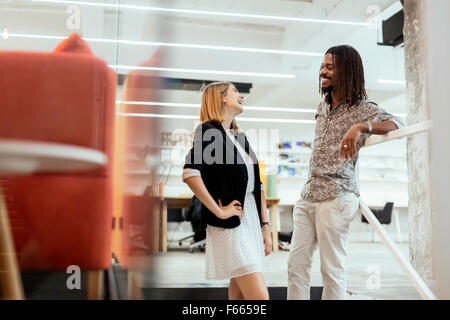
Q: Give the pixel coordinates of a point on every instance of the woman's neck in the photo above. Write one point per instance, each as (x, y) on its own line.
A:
(226, 124)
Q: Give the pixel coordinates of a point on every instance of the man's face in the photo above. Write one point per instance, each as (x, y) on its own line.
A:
(328, 72)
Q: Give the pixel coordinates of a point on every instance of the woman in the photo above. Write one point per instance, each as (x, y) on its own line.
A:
(222, 171)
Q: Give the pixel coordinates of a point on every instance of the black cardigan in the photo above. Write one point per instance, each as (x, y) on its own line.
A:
(224, 173)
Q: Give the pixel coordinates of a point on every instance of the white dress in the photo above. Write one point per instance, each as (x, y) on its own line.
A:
(235, 252)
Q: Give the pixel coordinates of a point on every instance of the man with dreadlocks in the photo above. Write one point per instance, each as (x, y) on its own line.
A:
(329, 200)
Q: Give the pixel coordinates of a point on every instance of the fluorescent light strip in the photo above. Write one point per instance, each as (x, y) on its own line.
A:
(253, 74)
(202, 46)
(276, 120)
(203, 12)
(168, 44)
(282, 109)
(36, 36)
(188, 117)
(193, 105)
(153, 115)
(232, 73)
(159, 104)
(189, 105)
(400, 82)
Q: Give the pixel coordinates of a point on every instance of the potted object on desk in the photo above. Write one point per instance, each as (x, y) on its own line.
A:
(272, 184)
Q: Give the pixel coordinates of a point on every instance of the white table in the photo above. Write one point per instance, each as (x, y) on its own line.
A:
(21, 157)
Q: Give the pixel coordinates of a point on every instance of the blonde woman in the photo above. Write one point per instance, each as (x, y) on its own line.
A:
(222, 171)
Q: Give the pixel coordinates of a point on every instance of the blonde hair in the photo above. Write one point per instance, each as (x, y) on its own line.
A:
(212, 107)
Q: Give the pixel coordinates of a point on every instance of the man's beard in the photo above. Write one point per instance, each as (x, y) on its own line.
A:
(327, 90)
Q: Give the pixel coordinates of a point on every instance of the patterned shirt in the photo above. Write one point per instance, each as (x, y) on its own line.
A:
(330, 176)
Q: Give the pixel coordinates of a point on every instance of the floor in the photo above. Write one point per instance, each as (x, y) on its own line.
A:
(372, 272)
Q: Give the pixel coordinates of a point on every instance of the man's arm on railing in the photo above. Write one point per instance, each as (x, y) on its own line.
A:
(378, 127)
(400, 133)
(348, 144)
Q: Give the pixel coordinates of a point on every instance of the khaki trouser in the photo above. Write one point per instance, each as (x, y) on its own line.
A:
(325, 224)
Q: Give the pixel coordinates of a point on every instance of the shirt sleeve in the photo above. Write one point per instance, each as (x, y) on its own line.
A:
(194, 158)
(188, 172)
(374, 113)
(207, 140)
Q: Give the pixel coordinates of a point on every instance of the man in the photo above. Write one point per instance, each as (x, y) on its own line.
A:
(329, 200)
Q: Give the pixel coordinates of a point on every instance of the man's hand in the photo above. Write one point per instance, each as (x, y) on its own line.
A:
(267, 237)
(348, 144)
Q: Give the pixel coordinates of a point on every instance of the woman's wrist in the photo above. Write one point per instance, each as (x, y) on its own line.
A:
(219, 213)
(266, 224)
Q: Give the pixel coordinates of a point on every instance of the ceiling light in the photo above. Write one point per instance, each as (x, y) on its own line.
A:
(203, 12)
(36, 36)
(252, 108)
(282, 109)
(191, 105)
(189, 117)
(5, 33)
(153, 115)
(253, 74)
(177, 45)
(399, 82)
(262, 120)
(220, 72)
(160, 104)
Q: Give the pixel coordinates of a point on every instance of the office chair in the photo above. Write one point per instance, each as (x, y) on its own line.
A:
(383, 216)
(180, 241)
(193, 214)
(177, 215)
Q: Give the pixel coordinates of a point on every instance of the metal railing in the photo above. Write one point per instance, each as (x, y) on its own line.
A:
(411, 273)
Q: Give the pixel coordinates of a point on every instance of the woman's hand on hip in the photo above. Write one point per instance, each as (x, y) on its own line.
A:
(233, 209)
(267, 237)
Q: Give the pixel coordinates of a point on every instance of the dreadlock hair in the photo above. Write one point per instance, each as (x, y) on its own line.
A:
(350, 76)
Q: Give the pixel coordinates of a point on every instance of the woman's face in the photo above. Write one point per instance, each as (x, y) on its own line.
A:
(233, 101)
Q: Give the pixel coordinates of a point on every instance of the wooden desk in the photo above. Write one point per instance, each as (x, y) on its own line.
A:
(169, 203)
(272, 205)
(184, 201)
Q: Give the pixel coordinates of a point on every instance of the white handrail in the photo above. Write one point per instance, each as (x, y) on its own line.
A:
(399, 133)
(417, 281)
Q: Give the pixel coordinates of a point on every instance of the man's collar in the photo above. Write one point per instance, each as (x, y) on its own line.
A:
(339, 105)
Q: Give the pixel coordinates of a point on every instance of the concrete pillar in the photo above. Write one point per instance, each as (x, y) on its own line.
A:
(436, 17)
(418, 146)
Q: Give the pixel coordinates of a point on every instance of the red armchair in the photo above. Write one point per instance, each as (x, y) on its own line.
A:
(67, 96)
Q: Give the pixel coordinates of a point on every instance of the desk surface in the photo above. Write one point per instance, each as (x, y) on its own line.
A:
(183, 201)
(26, 157)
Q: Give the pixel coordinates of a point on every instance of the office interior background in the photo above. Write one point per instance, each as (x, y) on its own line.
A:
(164, 53)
